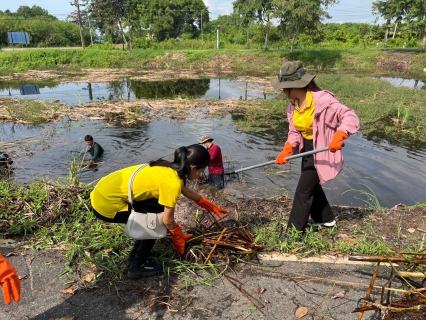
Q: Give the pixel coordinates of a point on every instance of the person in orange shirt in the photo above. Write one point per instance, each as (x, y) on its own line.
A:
(9, 281)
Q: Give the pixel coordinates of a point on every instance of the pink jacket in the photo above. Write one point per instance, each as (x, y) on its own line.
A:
(330, 116)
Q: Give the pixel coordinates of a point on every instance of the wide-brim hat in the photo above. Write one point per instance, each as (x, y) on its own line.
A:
(292, 75)
(204, 139)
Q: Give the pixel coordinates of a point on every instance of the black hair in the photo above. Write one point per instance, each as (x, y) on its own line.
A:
(88, 138)
(184, 157)
(312, 86)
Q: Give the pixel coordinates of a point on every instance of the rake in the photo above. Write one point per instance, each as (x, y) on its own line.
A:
(308, 153)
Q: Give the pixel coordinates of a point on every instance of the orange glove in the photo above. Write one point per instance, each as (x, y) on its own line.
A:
(288, 149)
(9, 281)
(337, 142)
(179, 239)
(210, 206)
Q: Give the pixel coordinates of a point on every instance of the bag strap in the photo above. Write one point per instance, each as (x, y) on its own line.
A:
(130, 193)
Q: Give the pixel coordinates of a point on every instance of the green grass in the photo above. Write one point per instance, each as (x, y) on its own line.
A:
(49, 214)
(240, 62)
(385, 111)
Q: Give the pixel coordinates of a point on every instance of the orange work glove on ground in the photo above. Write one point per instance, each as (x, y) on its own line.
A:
(337, 142)
(179, 239)
(210, 206)
(9, 281)
(288, 149)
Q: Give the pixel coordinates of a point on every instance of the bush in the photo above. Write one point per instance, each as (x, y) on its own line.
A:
(103, 46)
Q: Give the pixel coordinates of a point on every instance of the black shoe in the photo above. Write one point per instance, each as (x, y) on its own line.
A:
(152, 256)
(328, 224)
(148, 269)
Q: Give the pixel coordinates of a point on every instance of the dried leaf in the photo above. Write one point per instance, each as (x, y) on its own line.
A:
(23, 277)
(10, 254)
(295, 250)
(87, 253)
(342, 235)
(351, 241)
(5, 241)
(69, 290)
(411, 230)
(340, 294)
(301, 312)
(30, 260)
(89, 276)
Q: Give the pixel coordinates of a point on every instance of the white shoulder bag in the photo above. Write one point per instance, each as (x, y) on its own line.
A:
(143, 225)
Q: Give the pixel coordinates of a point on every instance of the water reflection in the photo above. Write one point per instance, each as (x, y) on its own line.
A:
(127, 89)
(395, 174)
(401, 82)
(79, 93)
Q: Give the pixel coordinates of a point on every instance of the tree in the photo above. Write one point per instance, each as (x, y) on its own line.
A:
(166, 19)
(260, 10)
(246, 10)
(33, 12)
(389, 10)
(299, 15)
(416, 14)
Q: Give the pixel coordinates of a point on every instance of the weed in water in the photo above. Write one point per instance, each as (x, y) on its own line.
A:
(371, 199)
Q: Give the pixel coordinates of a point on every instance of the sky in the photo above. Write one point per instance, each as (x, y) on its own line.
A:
(345, 11)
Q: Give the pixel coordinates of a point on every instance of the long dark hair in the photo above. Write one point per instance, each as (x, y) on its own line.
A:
(194, 155)
(312, 86)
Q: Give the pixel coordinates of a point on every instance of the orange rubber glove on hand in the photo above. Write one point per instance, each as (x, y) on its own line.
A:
(9, 281)
(288, 149)
(337, 142)
(178, 239)
(210, 206)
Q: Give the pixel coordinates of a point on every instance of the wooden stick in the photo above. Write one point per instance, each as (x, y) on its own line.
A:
(215, 246)
(370, 288)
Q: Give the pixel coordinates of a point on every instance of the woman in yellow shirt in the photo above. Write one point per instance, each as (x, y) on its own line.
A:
(156, 188)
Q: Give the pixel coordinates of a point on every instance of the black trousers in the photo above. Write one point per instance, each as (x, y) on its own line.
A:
(309, 198)
(142, 248)
(218, 180)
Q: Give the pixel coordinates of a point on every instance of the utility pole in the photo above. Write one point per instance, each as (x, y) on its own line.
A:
(79, 22)
(218, 36)
(201, 25)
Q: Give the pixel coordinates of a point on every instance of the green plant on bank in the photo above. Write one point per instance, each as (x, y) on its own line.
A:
(39, 215)
(80, 99)
(371, 199)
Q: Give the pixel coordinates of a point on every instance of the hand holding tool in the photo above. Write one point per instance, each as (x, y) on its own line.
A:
(337, 141)
(287, 150)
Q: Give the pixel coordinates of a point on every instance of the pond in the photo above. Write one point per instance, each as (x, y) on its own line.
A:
(374, 171)
(72, 93)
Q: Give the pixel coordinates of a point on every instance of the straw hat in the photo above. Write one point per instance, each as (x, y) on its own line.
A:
(204, 139)
(292, 75)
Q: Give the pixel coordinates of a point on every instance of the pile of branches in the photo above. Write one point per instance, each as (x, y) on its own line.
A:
(410, 272)
(216, 240)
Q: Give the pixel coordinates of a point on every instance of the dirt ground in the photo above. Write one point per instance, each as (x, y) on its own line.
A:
(399, 226)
